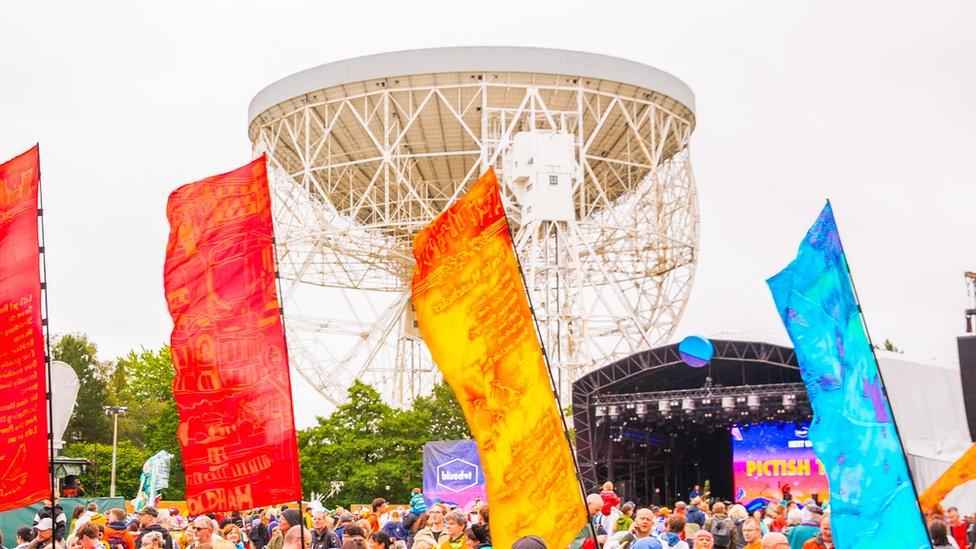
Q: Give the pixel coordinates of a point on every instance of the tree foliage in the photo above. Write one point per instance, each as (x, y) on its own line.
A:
(373, 450)
(97, 478)
(88, 421)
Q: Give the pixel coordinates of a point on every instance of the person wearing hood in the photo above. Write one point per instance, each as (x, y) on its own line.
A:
(674, 526)
(117, 534)
(57, 516)
(694, 512)
(148, 521)
(626, 518)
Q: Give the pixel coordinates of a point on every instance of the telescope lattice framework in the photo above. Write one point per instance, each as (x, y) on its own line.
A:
(593, 156)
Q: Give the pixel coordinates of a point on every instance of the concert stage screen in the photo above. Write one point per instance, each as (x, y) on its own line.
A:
(766, 457)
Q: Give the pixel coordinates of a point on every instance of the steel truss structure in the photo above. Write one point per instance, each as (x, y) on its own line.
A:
(364, 153)
(773, 374)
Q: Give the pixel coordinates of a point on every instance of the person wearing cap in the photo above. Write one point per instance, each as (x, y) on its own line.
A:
(59, 520)
(148, 522)
(289, 518)
(45, 536)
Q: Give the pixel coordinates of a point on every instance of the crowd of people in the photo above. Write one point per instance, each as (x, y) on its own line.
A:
(709, 523)
(701, 523)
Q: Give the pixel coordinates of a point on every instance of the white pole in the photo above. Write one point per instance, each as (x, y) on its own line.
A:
(115, 441)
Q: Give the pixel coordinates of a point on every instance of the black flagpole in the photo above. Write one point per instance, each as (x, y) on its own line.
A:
(46, 327)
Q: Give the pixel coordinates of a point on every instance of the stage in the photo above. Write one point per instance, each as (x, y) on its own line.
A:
(652, 421)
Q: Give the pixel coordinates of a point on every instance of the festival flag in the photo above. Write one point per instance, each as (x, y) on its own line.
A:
(153, 480)
(959, 473)
(473, 313)
(232, 388)
(872, 497)
(24, 462)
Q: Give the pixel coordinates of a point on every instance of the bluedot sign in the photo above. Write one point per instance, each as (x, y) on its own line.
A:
(453, 473)
(696, 351)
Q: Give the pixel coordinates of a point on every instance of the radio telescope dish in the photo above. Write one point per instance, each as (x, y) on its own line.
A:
(592, 152)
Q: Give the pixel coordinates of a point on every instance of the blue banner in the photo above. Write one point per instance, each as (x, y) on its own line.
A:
(453, 473)
(872, 498)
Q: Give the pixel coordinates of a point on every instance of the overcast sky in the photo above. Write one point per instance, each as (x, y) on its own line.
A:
(872, 105)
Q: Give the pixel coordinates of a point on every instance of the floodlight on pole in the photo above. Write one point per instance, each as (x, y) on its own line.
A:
(115, 412)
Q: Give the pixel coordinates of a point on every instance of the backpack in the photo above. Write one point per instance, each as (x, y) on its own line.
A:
(116, 541)
(721, 530)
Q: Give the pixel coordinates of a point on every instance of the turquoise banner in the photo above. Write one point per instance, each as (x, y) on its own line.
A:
(11, 520)
(872, 498)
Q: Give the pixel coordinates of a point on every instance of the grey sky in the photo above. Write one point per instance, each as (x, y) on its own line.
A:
(871, 104)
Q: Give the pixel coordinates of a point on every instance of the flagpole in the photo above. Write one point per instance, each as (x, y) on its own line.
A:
(284, 334)
(46, 327)
(552, 382)
(867, 334)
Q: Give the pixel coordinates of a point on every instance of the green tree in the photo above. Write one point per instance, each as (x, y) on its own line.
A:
(88, 421)
(373, 449)
(97, 478)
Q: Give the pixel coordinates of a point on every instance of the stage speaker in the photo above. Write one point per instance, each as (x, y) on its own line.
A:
(967, 371)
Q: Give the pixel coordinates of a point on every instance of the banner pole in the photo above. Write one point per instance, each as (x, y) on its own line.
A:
(552, 381)
(867, 334)
(284, 332)
(301, 522)
(46, 327)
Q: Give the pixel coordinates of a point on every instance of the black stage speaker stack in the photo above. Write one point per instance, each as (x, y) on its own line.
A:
(967, 371)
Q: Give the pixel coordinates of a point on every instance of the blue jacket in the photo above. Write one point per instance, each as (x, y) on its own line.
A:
(395, 530)
(694, 514)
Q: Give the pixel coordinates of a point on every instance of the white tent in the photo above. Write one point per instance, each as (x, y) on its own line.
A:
(926, 398)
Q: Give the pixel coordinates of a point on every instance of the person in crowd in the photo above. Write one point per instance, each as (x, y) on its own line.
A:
(454, 525)
(694, 512)
(57, 516)
(355, 543)
(775, 540)
(297, 538)
(418, 505)
(73, 541)
(433, 529)
(353, 531)
(379, 540)
(366, 525)
(809, 528)
(939, 535)
(232, 533)
(44, 539)
(345, 520)
(153, 540)
(75, 515)
(477, 538)
(738, 515)
(204, 529)
(656, 497)
(23, 537)
(149, 521)
(609, 497)
(751, 534)
(626, 518)
(380, 508)
(694, 492)
(824, 540)
(957, 527)
(117, 534)
(289, 518)
(322, 535)
(530, 542)
(395, 529)
(647, 543)
(422, 544)
(673, 529)
(702, 539)
(723, 531)
(260, 534)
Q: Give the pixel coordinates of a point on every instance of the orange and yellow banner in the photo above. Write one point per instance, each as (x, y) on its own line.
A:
(960, 472)
(474, 315)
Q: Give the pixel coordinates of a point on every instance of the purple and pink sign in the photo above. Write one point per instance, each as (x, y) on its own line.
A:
(453, 473)
(768, 457)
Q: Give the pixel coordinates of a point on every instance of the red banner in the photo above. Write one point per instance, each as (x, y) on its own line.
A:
(24, 463)
(232, 388)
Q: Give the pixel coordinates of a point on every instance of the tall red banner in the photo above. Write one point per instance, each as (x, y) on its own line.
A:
(232, 388)
(24, 463)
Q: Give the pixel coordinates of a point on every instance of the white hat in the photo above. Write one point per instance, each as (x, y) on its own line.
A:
(44, 524)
